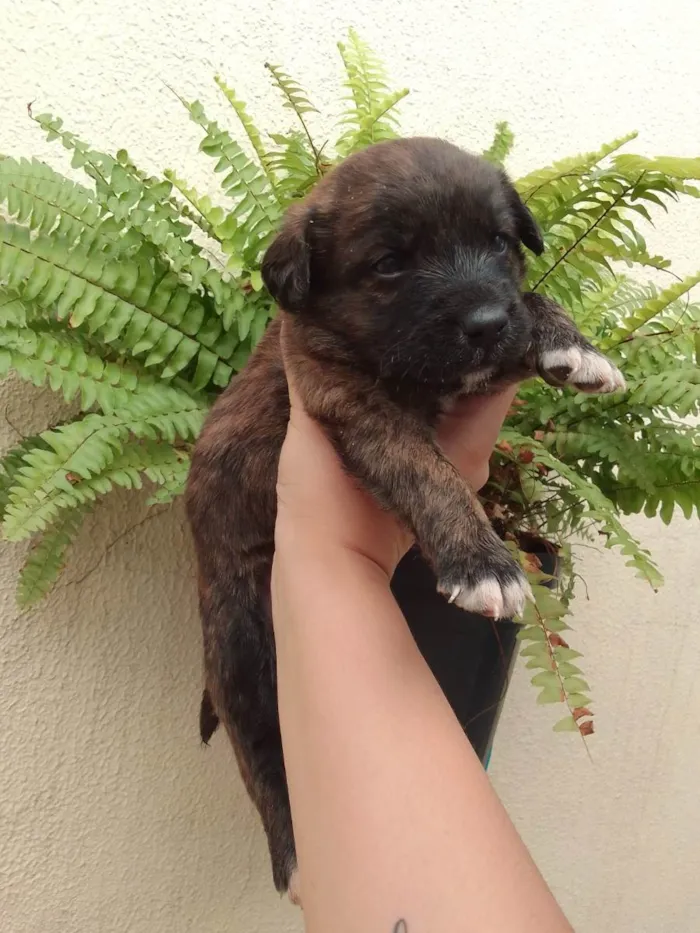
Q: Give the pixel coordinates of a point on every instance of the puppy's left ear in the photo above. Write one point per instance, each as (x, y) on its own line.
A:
(286, 266)
(528, 231)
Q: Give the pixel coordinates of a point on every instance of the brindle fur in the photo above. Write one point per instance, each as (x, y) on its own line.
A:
(375, 357)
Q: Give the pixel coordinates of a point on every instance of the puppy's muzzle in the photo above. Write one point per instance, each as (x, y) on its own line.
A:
(485, 325)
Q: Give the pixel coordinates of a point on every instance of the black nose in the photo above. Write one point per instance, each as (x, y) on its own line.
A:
(484, 325)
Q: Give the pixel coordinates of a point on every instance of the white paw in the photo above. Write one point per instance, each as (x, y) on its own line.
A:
(492, 598)
(294, 889)
(586, 370)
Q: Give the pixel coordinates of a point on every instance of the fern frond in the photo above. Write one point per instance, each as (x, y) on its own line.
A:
(667, 166)
(145, 214)
(60, 359)
(46, 202)
(500, 148)
(251, 130)
(649, 311)
(86, 458)
(370, 118)
(97, 165)
(157, 462)
(598, 508)
(677, 389)
(206, 215)
(365, 74)
(255, 214)
(296, 99)
(374, 127)
(10, 465)
(573, 167)
(591, 228)
(46, 558)
(662, 502)
(121, 301)
(295, 166)
(558, 679)
(670, 458)
(171, 478)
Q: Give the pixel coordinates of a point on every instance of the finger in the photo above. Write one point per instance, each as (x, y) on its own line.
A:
(478, 410)
(468, 434)
(298, 411)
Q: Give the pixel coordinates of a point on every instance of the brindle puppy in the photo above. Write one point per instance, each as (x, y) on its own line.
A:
(400, 277)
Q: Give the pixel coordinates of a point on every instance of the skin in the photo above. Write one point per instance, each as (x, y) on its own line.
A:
(397, 827)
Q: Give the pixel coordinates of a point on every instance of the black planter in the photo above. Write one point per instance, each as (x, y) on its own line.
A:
(470, 656)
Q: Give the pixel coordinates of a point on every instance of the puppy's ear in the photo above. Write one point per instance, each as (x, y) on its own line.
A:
(528, 231)
(286, 266)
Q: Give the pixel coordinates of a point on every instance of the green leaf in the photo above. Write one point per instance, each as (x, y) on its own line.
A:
(535, 650)
(565, 654)
(545, 679)
(578, 699)
(567, 724)
(566, 669)
(543, 662)
(548, 605)
(575, 684)
(549, 694)
(531, 633)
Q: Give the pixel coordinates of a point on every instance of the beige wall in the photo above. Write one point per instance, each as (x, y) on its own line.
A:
(111, 816)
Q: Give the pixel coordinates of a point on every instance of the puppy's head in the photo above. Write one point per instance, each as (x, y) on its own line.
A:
(409, 253)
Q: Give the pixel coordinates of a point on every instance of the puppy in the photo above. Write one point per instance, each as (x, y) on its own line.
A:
(399, 277)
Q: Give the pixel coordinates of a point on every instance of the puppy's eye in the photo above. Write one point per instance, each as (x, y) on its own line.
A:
(389, 265)
(500, 243)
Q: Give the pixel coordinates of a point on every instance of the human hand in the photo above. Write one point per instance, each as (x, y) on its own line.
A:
(320, 507)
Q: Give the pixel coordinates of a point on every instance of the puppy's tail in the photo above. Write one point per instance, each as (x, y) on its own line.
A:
(208, 720)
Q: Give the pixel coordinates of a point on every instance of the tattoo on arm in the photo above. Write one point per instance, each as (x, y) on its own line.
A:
(400, 927)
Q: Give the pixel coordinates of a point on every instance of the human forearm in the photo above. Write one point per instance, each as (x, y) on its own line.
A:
(394, 817)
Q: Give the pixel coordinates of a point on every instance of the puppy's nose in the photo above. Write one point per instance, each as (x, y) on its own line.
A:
(484, 325)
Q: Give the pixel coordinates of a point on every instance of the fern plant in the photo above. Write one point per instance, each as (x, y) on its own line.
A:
(138, 298)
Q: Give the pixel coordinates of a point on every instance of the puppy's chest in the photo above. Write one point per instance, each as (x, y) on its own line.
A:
(429, 403)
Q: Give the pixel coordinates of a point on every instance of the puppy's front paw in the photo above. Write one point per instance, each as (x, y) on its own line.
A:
(492, 586)
(581, 367)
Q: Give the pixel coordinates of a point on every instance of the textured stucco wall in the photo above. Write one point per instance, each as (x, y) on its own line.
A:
(111, 816)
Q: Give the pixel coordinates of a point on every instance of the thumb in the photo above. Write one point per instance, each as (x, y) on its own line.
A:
(294, 397)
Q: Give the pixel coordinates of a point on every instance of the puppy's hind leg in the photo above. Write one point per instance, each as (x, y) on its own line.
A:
(243, 685)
